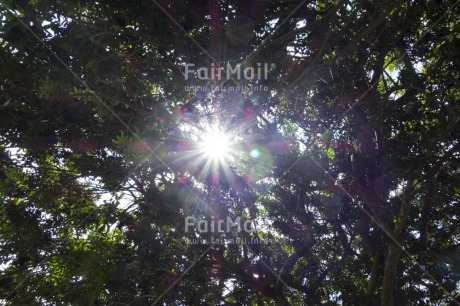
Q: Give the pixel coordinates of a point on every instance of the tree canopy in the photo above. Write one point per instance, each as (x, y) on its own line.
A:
(230, 152)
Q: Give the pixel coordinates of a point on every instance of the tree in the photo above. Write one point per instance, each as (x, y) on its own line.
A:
(342, 153)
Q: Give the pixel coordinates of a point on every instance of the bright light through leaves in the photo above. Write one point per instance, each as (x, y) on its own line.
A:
(215, 144)
(213, 148)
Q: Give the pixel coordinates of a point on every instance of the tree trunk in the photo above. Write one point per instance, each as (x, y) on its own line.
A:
(394, 248)
(373, 281)
(389, 274)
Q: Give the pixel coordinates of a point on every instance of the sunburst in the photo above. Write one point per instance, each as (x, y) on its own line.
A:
(211, 152)
(215, 144)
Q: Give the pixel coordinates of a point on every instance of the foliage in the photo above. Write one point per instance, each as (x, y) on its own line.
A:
(348, 163)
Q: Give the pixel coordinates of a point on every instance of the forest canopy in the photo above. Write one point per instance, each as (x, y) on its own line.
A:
(229, 152)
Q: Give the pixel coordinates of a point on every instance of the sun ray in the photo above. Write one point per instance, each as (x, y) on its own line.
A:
(213, 149)
(215, 144)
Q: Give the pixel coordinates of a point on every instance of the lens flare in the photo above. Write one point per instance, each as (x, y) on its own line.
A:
(215, 144)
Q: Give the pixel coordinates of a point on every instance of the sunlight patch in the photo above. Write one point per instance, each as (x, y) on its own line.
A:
(215, 144)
